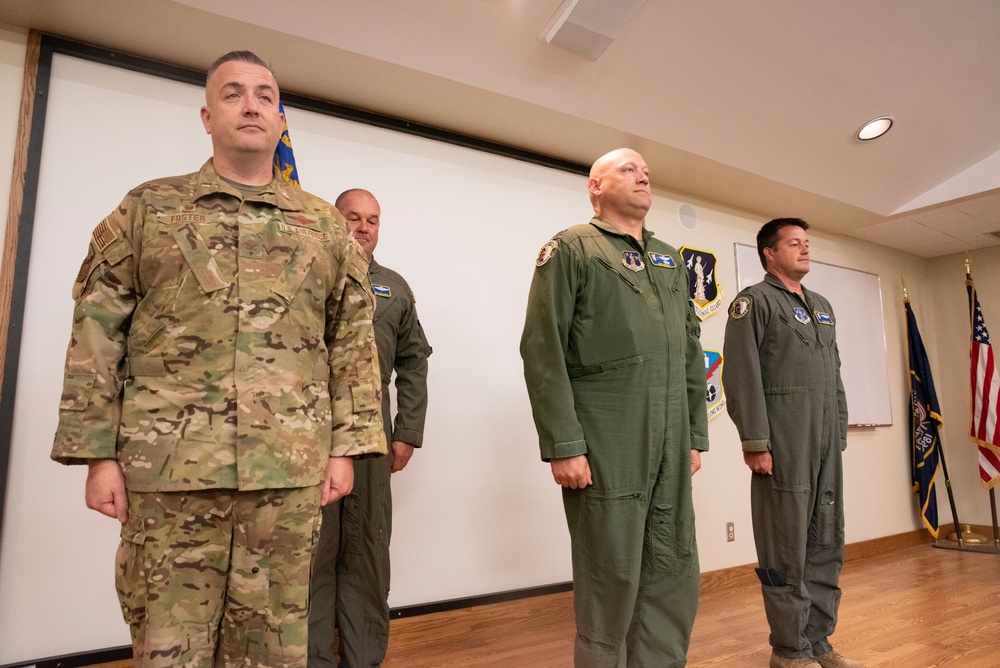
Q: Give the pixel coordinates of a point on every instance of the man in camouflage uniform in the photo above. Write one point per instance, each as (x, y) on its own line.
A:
(782, 375)
(350, 584)
(220, 379)
(616, 378)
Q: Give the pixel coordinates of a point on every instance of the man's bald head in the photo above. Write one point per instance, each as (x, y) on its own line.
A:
(619, 185)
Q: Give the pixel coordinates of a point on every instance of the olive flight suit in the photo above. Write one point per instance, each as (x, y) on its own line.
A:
(350, 584)
(782, 380)
(615, 371)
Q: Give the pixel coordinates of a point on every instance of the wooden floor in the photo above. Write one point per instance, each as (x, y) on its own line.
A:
(917, 607)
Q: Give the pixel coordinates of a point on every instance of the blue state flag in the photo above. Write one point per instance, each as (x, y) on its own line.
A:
(925, 421)
(284, 159)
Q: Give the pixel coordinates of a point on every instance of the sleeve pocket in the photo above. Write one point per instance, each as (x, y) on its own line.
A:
(76, 391)
(364, 398)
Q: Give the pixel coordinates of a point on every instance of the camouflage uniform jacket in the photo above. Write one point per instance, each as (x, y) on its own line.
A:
(219, 342)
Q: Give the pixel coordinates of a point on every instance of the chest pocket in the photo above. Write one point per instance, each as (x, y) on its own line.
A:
(199, 258)
(384, 304)
(799, 329)
(296, 269)
(620, 274)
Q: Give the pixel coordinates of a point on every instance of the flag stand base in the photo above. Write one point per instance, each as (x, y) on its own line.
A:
(969, 537)
(964, 547)
(970, 542)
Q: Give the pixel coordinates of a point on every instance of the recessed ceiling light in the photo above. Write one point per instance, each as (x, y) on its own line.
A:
(875, 128)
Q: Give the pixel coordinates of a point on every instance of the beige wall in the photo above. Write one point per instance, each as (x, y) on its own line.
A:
(947, 340)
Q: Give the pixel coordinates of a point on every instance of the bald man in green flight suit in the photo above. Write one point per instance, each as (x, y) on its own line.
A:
(350, 582)
(616, 378)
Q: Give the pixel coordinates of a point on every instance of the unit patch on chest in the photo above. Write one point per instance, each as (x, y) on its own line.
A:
(823, 318)
(661, 260)
(802, 315)
(381, 290)
(633, 260)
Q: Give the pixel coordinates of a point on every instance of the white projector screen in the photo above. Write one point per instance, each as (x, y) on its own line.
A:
(476, 512)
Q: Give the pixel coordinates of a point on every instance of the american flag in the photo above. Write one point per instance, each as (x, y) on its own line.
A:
(985, 394)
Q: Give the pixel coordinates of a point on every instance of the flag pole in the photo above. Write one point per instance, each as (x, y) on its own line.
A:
(951, 501)
(993, 509)
(993, 496)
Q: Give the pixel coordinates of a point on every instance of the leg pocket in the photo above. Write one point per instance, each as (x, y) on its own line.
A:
(352, 525)
(130, 573)
(669, 540)
(825, 530)
(613, 525)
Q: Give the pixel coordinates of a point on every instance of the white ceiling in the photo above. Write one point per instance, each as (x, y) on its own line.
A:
(754, 105)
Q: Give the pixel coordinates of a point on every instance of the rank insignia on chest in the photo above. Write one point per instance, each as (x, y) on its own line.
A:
(381, 290)
(661, 260)
(802, 315)
(823, 318)
(633, 260)
(546, 252)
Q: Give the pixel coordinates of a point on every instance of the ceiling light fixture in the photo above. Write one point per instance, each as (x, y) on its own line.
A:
(588, 27)
(875, 128)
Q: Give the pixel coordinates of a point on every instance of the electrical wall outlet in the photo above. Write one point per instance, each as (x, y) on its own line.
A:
(730, 532)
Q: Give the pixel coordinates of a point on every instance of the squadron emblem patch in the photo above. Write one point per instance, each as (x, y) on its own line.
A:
(823, 318)
(660, 260)
(546, 252)
(714, 397)
(802, 315)
(381, 290)
(739, 308)
(633, 260)
(705, 291)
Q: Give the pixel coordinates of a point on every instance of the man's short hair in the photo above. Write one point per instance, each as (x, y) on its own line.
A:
(767, 237)
(347, 193)
(237, 56)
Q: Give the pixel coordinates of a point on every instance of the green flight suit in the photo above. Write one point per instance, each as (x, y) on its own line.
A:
(615, 371)
(350, 583)
(784, 392)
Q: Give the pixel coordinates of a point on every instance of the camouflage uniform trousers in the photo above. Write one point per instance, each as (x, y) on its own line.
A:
(218, 577)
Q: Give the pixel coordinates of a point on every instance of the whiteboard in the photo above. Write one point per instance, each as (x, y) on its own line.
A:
(475, 511)
(856, 298)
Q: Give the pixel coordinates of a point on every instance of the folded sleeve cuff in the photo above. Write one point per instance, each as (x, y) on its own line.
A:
(761, 445)
(560, 450)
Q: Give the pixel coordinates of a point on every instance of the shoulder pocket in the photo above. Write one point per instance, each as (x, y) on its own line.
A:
(108, 247)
